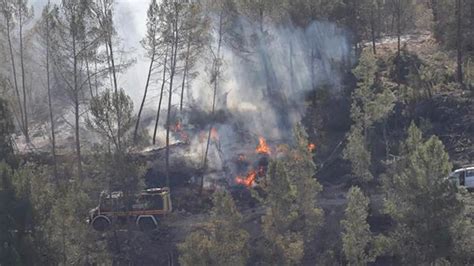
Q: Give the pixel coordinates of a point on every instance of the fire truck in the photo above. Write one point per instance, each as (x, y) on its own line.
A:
(145, 209)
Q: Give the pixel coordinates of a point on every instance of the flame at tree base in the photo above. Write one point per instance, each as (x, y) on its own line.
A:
(248, 180)
(263, 147)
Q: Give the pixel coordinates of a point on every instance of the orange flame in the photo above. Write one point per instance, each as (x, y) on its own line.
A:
(178, 128)
(262, 147)
(311, 147)
(248, 180)
(214, 134)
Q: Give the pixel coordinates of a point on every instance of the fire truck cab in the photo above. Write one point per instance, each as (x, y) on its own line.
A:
(144, 209)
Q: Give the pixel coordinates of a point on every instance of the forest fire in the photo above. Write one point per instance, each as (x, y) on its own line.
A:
(214, 134)
(258, 169)
(263, 147)
(311, 147)
(248, 180)
(178, 129)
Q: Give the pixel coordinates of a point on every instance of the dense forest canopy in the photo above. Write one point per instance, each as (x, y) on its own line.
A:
(236, 132)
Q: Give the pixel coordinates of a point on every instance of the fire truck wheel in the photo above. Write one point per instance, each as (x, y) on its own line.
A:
(101, 223)
(147, 223)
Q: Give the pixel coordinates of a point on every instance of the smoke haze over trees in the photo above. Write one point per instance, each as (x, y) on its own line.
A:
(289, 132)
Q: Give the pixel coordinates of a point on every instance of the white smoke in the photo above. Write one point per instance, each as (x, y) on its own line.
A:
(268, 84)
(265, 87)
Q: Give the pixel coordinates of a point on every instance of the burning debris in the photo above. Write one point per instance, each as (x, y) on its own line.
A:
(178, 130)
(214, 135)
(248, 180)
(263, 147)
(258, 169)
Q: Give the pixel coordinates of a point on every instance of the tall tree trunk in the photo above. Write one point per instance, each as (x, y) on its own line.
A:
(15, 78)
(185, 72)
(50, 105)
(89, 81)
(96, 80)
(163, 82)
(459, 42)
(435, 12)
(355, 27)
(117, 104)
(372, 30)
(150, 70)
(313, 81)
(399, 31)
(23, 78)
(216, 81)
(292, 68)
(172, 73)
(76, 105)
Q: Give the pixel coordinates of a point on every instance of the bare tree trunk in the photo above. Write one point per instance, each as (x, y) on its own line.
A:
(117, 104)
(185, 72)
(89, 82)
(372, 30)
(292, 68)
(216, 81)
(399, 48)
(459, 44)
(76, 106)
(172, 73)
(399, 32)
(50, 106)
(96, 82)
(23, 78)
(150, 70)
(15, 79)
(163, 82)
(313, 85)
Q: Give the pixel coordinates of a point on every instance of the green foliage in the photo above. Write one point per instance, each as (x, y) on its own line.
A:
(9, 248)
(292, 216)
(422, 203)
(370, 104)
(359, 245)
(301, 172)
(356, 236)
(303, 12)
(403, 67)
(356, 151)
(75, 242)
(6, 129)
(446, 23)
(220, 241)
(106, 109)
(28, 198)
(283, 245)
(463, 231)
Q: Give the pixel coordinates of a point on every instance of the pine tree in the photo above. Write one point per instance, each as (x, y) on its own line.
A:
(421, 202)
(106, 118)
(371, 103)
(301, 172)
(290, 193)
(9, 250)
(283, 244)
(356, 236)
(151, 44)
(220, 241)
(6, 129)
(463, 231)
